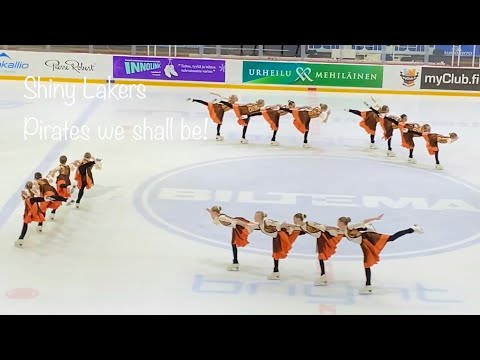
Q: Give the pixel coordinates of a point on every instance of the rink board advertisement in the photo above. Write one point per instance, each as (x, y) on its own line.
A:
(159, 68)
(439, 78)
(402, 77)
(15, 63)
(310, 74)
(53, 64)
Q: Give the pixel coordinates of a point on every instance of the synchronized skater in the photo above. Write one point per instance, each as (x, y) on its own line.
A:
(327, 238)
(302, 116)
(39, 195)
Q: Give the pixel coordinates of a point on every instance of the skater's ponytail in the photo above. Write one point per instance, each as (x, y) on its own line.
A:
(324, 107)
(453, 135)
(216, 209)
(345, 220)
(300, 216)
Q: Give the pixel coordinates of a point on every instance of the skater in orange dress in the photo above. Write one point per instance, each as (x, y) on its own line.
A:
(369, 121)
(34, 210)
(241, 228)
(371, 242)
(327, 240)
(432, 141)
(244, 112)
(282, 240)
(272, 115)
(217, 109)
(303, 115)
(43, 188)
(64, 185)
(408, 131)
(83, 174)
(389, 123)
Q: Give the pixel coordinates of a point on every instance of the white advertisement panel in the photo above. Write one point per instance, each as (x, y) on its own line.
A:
(402, 77)
(55, 65)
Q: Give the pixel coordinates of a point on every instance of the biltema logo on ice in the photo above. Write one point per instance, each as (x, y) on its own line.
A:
(133, 67)
(323, 196)
(11, 65)
(409, 75)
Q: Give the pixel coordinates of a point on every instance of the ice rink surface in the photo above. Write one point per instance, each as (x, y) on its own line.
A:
(142, 242)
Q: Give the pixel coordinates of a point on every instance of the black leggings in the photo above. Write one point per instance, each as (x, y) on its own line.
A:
(368, 271)
(411, 154)
(389, 143)
(200, 102)
(82, 169)
(274, 135)
(400, 234)
(235, 254)
(372, 139)
(322, 267)
(80, 192)
(275, 265)
(436, 158)
(218, 129)
(305, 137)
(356, 112)
(24, 231)
(244, 133)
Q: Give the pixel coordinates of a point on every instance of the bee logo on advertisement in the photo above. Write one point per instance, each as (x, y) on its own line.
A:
(409, 75)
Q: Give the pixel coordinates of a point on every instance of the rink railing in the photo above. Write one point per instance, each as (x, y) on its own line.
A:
(449, 55)
(240, 74)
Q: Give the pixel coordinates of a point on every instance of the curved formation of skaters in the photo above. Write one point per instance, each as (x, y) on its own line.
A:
(302, 115)
(327, 238)
(51, 191)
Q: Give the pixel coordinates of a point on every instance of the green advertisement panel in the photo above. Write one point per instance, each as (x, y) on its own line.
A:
(310, 74)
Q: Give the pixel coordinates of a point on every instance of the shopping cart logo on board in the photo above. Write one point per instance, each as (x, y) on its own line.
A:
(409, 75)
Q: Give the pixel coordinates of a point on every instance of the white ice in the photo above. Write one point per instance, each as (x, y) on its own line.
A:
(108, 258)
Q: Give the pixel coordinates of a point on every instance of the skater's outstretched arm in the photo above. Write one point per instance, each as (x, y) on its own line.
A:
(327, 227)
(226, 103)
(452, 137)
(290, 226)
(364, 222)
(369, 220)
(392, 120)
(413, 132)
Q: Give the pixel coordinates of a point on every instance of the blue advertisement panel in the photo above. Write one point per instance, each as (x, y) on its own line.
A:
(465, 50)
